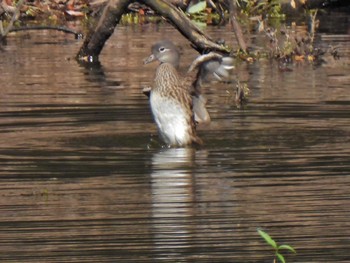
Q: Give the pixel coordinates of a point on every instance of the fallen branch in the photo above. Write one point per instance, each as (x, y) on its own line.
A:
(201, 42)
(112, 13)
(97, 37)
(57, 28)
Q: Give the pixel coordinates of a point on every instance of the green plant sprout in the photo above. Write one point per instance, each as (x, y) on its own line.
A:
(276, 247)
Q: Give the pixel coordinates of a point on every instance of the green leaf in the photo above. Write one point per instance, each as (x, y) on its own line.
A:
(280, 257)
(267, 238)
(290, 248)
(197, 8)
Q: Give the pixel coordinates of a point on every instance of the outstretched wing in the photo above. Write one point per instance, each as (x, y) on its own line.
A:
(211, 64)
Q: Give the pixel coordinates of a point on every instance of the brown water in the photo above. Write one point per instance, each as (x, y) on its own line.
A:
(83, 179)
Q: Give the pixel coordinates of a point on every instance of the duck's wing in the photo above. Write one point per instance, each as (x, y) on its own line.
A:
(203, 66)
(192, 107)
(211, 64)
(201, 115)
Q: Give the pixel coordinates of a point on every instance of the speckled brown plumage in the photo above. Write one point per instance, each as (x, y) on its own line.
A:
(175, 101)
(168, 84)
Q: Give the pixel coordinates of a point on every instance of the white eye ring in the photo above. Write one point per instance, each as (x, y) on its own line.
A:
(162, 49)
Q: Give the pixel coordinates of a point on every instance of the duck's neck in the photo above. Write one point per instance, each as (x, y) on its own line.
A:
(166, 77)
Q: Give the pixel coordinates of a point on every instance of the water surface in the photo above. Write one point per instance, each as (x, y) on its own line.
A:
(83, 177)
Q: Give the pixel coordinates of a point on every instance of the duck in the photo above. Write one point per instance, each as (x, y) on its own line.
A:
(176, 101)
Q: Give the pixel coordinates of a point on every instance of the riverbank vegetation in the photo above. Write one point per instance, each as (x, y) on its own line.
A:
(263, 17)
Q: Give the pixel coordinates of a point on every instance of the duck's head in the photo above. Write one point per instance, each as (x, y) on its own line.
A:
(165, 52)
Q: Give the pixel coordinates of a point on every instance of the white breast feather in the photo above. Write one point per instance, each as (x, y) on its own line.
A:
(170, 119)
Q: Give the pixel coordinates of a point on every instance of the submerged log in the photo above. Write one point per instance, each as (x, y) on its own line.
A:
(112, 13)
(97, 36)
(180, 21)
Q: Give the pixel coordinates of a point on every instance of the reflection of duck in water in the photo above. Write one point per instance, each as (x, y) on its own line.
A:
(174, 110)
(172, 193)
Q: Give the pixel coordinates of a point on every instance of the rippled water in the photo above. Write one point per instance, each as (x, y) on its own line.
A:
(83, 178)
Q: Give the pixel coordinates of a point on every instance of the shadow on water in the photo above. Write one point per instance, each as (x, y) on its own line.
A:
(82, 181)
(94, 72)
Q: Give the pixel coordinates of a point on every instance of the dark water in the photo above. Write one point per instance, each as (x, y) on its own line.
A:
(83, 179)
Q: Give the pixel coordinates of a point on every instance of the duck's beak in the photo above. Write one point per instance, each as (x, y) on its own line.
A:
(150, 59)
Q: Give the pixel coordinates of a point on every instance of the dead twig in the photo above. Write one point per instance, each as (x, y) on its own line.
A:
(12, 21)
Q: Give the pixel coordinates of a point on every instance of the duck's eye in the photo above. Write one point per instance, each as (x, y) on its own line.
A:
(161, 49)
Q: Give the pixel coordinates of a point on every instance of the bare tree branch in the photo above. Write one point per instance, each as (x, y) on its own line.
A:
(97, 37)
(236, 27)
(112, 13)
